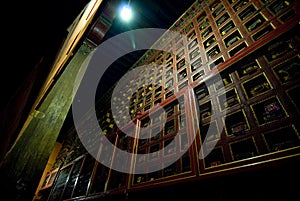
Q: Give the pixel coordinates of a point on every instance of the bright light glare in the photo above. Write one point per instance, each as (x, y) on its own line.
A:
(126, 13)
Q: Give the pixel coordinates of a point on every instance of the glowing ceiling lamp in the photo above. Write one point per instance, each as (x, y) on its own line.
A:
(126, 12)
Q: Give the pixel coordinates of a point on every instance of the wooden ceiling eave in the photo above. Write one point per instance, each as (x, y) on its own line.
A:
(102, 24)
(97, 32)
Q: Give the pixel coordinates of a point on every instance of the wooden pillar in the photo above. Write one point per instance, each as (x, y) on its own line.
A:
(24, 164)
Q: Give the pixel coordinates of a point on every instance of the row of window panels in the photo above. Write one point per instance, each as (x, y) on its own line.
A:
(257, 85)
(213, 52)
(285, 72)
(174, 144)
(145, 99)
(167, 111)
(235, 37)
(243, 9)
(278, 139)
(251, 88)
(73, 145)
(238, 129)
(203, 22)
(258, 20)
(231, 39)
(154, 129)
(65, 189)
(236, 123)
(275, 6)
(254, 87)
(149, 94)
(174, 112)
(72, 180)
(157, 131)
(196, 57)
(146, 103)
(275, 140)
(225, 101)
(249, 9)
(117, 179)
(276, 51)
(183, 165)
(265, 111)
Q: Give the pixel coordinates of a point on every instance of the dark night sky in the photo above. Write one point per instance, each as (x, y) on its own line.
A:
(30, 30)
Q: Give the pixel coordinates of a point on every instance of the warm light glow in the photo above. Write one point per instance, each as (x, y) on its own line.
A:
(126, 13)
